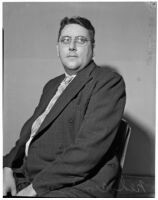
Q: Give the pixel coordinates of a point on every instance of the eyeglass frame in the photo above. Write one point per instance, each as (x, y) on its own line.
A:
(75, 40)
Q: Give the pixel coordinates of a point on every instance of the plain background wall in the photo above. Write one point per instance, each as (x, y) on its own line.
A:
(125, 41)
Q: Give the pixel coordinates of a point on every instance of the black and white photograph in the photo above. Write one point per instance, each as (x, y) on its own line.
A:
(79, 99)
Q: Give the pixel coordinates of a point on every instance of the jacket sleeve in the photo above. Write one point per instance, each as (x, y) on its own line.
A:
(14, 158)
(96, 134)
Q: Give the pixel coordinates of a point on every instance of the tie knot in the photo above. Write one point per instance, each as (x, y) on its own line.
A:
(65, 83)
(68, 79)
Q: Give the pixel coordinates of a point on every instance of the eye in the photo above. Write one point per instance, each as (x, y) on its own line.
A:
(82, 40)
(65, 40)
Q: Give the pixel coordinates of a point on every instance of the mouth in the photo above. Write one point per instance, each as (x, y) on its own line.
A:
(72, 56)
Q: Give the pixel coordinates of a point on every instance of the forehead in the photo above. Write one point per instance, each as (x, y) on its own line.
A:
(74, 30)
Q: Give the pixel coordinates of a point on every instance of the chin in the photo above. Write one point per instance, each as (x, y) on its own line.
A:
(72, 66)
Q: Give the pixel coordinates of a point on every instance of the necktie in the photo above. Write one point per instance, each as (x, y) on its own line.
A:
(37, 123)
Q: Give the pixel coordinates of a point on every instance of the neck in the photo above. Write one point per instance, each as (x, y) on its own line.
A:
(70, 72)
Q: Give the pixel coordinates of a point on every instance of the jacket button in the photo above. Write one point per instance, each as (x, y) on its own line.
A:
(112, 165)
(50, 188)
(70, 121)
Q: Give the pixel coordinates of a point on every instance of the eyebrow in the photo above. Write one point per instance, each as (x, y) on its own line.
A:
(75, 36)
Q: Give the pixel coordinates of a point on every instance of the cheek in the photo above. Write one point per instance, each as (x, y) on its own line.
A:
(86, 54)
(63, 52)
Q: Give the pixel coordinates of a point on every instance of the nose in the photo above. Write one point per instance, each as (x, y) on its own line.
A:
(72, 45)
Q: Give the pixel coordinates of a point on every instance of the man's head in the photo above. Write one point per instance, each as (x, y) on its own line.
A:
(75, 43)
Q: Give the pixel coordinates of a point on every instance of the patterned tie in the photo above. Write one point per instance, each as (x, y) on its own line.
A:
(37, 123)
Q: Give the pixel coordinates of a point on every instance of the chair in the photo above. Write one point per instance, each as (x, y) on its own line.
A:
(124, 133)
(121, 142)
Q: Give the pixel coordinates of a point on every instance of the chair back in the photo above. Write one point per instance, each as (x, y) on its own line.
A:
(120, 144)
(124, 132)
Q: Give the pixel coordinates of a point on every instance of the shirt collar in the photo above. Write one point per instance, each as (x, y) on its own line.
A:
(68, 75)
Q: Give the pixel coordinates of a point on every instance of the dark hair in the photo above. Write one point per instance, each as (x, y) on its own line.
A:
(82, 22)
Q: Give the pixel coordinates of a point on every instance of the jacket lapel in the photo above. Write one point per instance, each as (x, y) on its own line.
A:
(73, 88)
(52, 91)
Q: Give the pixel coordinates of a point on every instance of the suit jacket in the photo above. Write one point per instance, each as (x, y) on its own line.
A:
(72, 148)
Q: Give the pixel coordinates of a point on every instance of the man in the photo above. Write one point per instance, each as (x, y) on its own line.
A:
(64, 149)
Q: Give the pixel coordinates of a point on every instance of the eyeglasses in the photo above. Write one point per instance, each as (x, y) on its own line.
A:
(79, 40)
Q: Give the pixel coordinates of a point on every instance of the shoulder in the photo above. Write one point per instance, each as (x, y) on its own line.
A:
(106, 74)
(108, 82)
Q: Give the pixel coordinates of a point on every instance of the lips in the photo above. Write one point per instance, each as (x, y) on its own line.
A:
(72, 56)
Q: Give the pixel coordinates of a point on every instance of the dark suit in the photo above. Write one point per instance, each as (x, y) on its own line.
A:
(71, 156)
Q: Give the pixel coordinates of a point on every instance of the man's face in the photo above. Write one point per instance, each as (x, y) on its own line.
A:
(74, 48)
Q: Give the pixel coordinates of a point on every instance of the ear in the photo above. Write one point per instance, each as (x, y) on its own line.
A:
(93, 50)
(57, 46)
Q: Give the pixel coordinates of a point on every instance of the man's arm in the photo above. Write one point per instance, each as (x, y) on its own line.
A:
(95, 136)
(15, 157)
